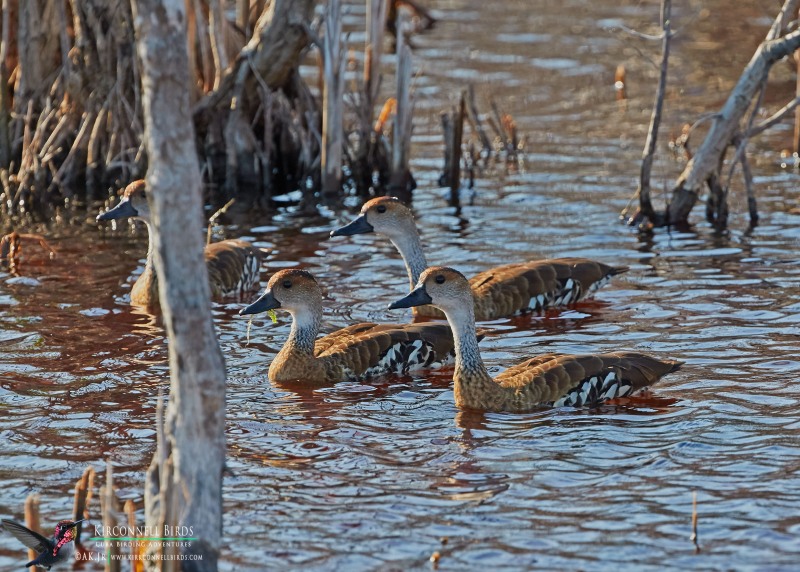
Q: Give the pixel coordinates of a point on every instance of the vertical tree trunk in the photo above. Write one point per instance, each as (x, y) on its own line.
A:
(400, 176)
(196, 412)
(38, 49)
(5, 116)
(333, 101)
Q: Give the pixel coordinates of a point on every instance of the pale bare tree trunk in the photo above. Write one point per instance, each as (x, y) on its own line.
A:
(400, 176)
(333, 101)
(195, 423)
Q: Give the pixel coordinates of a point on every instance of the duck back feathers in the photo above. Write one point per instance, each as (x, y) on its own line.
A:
(233, 267)
(581, 380)
(367, 350)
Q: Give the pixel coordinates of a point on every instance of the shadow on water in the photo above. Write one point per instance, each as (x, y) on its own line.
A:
(376, 475)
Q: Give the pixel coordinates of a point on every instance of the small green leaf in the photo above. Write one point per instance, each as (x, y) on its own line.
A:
(272, 316)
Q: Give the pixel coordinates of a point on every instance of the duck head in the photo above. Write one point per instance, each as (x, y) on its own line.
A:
(383, 215)
(293, 290)
(445, 288)
(133, 204)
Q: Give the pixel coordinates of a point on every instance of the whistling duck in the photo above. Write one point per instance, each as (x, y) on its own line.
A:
(353, 353)
(233, 265)
(499, 292)
(548, 380)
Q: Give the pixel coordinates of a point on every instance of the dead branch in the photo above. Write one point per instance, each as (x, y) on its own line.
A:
(773, 119)
(274, 51)
(704, 166)
(646, 212)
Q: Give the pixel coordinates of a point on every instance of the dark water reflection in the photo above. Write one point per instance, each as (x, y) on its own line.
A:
(376, 476)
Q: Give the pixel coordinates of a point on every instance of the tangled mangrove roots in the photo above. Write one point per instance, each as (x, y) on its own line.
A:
(71, 125)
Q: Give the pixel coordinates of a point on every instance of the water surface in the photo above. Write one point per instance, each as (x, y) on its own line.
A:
(379, 476)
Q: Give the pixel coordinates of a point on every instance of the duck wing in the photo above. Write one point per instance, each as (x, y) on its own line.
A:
(577, 380)
(233, 267)
(364, 350)
(535, 285)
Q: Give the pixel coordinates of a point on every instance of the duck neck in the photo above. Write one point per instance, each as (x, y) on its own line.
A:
(410, 247)
(145, 289)
(469, 365)
(305, 328)
(150, 263)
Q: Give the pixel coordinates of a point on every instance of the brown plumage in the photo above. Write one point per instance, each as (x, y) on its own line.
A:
(233, 265)
(357, 352)
(499, 292)
(548, 380)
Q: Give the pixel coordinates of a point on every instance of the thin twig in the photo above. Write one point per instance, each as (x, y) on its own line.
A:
(773, 119)
(215, 216)
(694, 537)
(645, 203)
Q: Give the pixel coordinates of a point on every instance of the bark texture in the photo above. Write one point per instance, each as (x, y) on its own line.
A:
(195, 422)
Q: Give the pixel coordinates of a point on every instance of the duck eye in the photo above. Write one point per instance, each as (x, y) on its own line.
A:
(381, 209)
(439, 279)
(287, 284)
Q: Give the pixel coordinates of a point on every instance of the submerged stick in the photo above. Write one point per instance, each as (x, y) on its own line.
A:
(213, 218)
(454, 175)
(693, 538)
(110, 509)
(475, 121)
(80, 503)
(130, 511)
(32, 520)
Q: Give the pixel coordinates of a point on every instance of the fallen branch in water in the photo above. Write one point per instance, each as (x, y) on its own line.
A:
(11, 248)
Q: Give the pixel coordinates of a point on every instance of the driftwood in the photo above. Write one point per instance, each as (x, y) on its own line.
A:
(190, 478)
(705, 167)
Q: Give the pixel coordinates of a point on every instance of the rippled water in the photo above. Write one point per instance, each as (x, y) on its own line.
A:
(382, 475)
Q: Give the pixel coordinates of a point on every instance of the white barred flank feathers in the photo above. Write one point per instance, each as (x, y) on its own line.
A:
(595, 390)
(403, 358)
(569, 293)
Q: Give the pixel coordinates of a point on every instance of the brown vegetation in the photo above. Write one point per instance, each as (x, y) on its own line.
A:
(71, 123)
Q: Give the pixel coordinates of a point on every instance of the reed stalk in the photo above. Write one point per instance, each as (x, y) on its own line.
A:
(32, 519)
